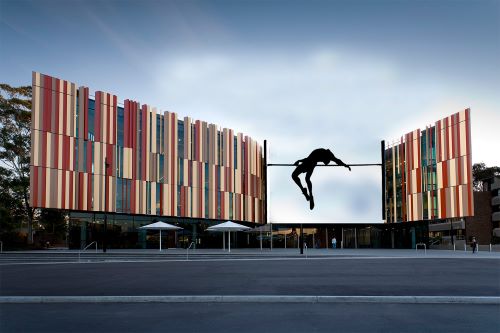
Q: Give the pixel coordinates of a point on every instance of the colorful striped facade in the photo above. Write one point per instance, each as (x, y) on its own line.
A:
(158, 164)
(429, 172)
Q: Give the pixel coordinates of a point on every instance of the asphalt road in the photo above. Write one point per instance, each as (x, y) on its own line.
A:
(243, 318)
(343, 276)
(329, 276)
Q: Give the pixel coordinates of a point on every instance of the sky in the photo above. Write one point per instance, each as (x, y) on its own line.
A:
(301, 74)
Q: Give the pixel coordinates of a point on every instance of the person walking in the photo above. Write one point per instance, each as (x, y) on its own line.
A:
(334, 243)
(474, 245)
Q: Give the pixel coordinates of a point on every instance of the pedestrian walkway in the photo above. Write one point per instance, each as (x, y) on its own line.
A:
(139, 255)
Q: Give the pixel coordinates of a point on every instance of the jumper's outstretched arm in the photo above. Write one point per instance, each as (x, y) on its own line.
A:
(339, 162)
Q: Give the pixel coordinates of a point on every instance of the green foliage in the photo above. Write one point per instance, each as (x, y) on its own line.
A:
(15, 132)
(481, 173)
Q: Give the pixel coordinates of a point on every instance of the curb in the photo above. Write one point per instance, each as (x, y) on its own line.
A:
(252, 299)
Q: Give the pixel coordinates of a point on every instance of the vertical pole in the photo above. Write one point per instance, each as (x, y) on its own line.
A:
(229, 241)
(382, 153)
(271, 236)
(224, 240)
(355, 237)
(285, 243)
(301, 239)
(326, 246)
(261, 238)
(342, 244)
(160, 239)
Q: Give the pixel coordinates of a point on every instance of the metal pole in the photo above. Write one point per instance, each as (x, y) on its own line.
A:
(229, 241)
(285, 243)
(160, 240)
(271, 236)
(224, 240)
(326, 247)
(261, 239)
(355, 237)
(342, 244)
(301, 239)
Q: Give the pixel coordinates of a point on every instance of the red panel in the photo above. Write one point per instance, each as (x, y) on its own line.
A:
(71, 186)
(438, 141)
(97, 116)
(125, 123)
(47, 103)
(108, 118)
(115, 120)
(143, 142)
(443, 203)
(44, 149)
(445, 173)
(419, 180)
(63, 190)
(88, 167)
(222, 205)
(419, 156)
(200, 189)
(85, 113)
(447, 138)
(65, 153)
(132, 198)
(56, 129)
(65, 130)
(173, 192)
(55, 147)
(89, 191)
(80, 191)
(172, 147)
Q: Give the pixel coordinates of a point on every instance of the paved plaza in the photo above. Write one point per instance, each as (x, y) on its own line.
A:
(282, 291)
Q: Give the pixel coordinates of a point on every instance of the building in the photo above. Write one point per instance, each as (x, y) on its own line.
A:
(98, 157)
(428, 181)
(485, 224)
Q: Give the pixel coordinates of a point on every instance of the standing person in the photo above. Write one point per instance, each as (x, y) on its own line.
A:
(334, 242)
(474, 245)
(307, 165)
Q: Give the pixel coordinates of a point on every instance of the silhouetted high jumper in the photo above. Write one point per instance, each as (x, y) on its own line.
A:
(307, 165)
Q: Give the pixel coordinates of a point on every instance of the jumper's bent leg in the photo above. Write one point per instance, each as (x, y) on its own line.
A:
(296, 179)
(309, 187)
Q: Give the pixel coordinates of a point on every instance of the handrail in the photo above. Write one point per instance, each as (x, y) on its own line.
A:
(86, 247)
(187, 250)
(305, 248)
(421, 244)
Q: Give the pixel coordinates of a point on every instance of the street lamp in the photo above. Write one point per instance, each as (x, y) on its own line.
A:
(104, 241)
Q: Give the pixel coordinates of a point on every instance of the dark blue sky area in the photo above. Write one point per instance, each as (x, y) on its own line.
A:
(453, 38)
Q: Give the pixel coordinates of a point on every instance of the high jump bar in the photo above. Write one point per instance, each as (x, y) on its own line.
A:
(329, 165)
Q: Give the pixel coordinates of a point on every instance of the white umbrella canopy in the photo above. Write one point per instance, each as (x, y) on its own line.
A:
(160, 226)
(228, 226)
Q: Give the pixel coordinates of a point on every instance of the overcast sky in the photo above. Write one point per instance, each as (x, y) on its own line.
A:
(302, 74)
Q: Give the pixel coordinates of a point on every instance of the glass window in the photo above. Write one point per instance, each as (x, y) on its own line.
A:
(180, 137)
(91, 116)
(120, 122)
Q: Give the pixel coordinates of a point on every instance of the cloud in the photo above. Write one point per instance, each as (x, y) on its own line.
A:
(321, 98)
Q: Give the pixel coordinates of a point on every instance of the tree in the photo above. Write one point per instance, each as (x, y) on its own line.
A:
(480, 173)
(15, 143)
